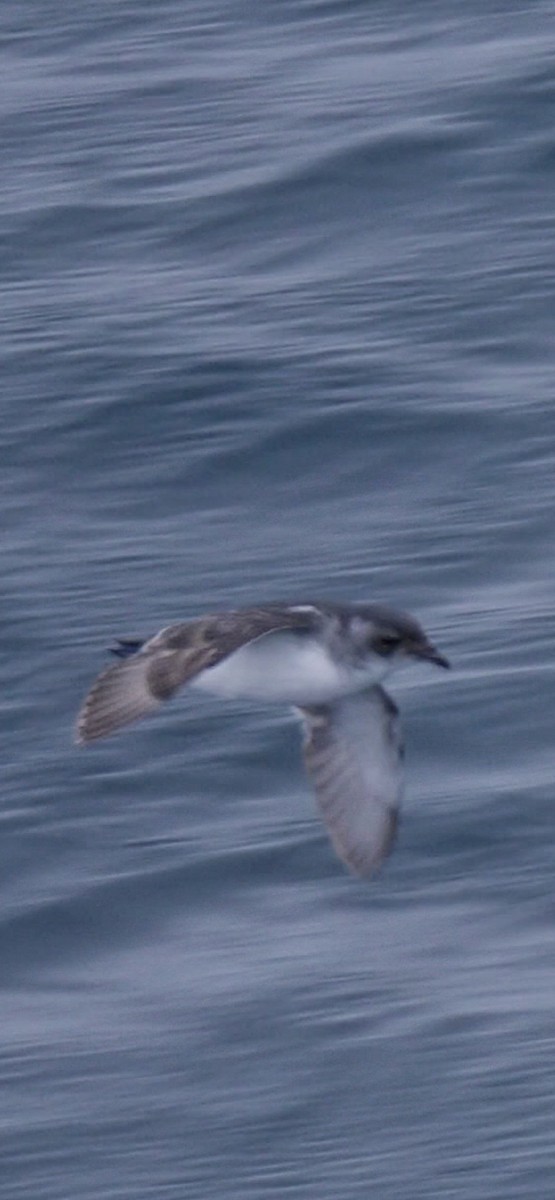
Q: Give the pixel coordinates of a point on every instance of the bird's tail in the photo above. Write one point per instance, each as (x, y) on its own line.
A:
(125, 647)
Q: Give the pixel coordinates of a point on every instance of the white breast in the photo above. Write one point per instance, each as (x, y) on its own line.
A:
(287, 668)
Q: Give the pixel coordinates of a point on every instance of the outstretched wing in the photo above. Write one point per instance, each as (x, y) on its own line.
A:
(139, 683)
(353, 755)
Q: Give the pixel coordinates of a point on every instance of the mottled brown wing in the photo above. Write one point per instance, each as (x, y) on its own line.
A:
(353, 756)
(131, 689)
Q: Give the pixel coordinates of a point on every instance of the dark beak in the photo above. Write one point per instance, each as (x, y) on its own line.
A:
(430, 654)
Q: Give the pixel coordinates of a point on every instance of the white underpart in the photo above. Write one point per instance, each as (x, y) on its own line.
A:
(287, 668)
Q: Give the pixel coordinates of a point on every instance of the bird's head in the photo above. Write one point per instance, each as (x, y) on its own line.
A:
(393, 637)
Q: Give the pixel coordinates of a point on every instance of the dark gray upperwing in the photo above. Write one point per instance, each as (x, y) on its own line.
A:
(137, 685)
(353, 755)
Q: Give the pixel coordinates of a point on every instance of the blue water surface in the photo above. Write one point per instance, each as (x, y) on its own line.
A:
(277, 321)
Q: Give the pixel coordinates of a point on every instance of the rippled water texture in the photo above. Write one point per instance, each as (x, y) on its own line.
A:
(277, 287)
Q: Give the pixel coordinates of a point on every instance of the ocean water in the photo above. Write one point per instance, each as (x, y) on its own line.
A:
(277, 321)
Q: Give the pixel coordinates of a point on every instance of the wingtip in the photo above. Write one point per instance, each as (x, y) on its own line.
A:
(79, 735)
(119, 695)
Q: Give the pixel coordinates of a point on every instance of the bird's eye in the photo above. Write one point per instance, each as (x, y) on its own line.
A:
(386, 643)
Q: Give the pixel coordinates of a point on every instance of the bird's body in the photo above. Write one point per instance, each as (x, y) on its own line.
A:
(326, 660)
(287, 668)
